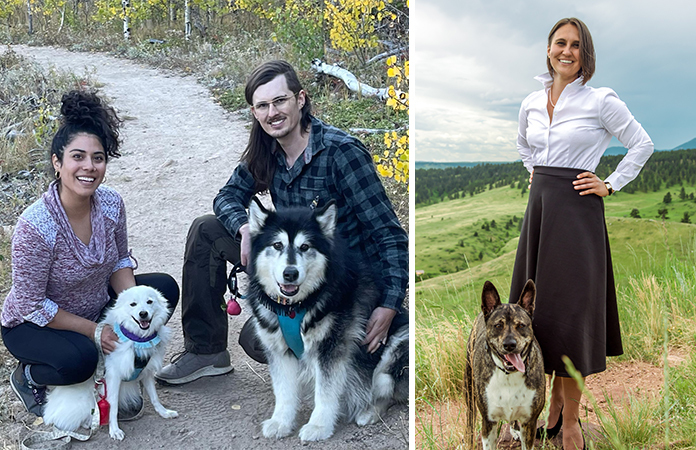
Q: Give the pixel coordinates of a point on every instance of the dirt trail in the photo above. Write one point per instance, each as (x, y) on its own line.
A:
(179, 148)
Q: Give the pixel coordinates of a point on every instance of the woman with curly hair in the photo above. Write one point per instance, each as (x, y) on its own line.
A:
(70, 258)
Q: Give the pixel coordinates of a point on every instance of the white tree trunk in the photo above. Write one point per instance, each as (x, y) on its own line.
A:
(30, 17)
(62, 18)
(187, 20)
(126, 20)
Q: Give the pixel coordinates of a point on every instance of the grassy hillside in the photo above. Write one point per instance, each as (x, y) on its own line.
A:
(655, 268)
(639, 246)
(453, 236)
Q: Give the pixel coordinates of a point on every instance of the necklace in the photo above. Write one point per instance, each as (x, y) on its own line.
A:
(551, 101)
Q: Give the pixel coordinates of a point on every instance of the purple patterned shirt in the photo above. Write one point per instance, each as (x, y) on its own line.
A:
(52, 268)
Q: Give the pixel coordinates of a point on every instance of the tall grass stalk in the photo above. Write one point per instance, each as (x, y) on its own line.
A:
(440, 359)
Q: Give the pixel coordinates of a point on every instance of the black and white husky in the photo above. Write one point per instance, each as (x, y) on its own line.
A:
(311, 300)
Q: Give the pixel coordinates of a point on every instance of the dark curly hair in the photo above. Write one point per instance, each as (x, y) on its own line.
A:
(85, 112)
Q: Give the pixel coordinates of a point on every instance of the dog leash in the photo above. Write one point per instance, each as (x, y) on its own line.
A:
(57, 439)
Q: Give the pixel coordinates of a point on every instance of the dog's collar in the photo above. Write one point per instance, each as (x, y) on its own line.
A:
(497, 360)
(143, 342)
(280, 306)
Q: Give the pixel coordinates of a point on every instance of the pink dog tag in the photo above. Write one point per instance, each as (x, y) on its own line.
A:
(233, 308)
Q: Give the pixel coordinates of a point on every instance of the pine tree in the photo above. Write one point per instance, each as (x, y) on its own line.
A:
(667, 198)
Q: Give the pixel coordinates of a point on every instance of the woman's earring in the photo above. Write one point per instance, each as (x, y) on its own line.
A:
(104, 179)
(57, 175)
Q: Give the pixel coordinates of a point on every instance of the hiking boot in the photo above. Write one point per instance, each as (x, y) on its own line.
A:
(32, 397)
(187, 367)
(131, 412)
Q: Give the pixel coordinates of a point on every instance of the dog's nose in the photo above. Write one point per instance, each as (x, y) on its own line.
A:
(143, 314)
(509, 344)
(290, 274)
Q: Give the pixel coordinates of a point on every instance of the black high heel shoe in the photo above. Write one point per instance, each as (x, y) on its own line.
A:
(550, 433)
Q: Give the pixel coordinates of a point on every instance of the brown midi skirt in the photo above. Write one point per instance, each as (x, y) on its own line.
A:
(564, 248)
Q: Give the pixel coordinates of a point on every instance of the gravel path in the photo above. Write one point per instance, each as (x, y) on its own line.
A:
(179, 149)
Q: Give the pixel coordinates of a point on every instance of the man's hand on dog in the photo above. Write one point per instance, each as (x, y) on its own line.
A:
(108, 340)
(378, 327)
(245, 244)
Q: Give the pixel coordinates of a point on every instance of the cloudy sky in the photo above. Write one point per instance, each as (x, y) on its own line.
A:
(473, 62)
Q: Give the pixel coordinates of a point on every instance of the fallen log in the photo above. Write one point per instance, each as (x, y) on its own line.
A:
(349, 79)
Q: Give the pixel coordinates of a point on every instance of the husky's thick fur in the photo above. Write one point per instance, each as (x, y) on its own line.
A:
(139, 311)
(504, 367)
(299, 265)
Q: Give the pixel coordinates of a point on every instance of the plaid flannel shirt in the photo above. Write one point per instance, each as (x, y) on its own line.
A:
(335, 166)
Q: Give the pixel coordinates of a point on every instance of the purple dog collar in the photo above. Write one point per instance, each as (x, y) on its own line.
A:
(134, 337)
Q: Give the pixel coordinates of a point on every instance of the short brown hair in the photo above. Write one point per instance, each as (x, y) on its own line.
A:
(587, 53)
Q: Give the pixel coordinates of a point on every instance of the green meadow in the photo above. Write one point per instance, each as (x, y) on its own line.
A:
(655, 268)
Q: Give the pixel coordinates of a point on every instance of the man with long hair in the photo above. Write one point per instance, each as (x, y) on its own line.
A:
(301, 161)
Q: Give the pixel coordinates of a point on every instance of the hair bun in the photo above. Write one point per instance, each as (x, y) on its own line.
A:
(81, 107)
(85, 112)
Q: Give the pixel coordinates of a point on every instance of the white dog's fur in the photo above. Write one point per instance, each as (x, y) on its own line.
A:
(143, 311)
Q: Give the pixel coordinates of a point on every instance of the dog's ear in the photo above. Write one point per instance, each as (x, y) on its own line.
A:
(326, 217)
(528, 297)
(257, 216)
(489, 299)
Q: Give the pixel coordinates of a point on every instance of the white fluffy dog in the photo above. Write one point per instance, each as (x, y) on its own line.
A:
(138, 319)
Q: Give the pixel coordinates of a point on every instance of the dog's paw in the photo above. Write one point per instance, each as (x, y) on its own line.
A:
(313, 432)
(116, 433)
(273, 428)
(168, 414)
(367, 417)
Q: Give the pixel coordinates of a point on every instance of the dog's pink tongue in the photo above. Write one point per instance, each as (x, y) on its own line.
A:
(516, 360)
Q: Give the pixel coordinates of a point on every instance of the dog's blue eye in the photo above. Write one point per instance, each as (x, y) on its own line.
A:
(278, 246)
(304, 247)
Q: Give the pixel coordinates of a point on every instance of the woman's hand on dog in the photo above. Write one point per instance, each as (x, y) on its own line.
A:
(378, 327)
(108, 340)
(590, 183)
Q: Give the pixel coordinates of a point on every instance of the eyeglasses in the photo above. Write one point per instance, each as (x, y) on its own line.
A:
(278, 103)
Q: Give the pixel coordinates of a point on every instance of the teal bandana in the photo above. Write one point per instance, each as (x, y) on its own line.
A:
(290, 326)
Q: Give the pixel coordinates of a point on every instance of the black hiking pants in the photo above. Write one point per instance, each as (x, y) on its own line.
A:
(209, 247)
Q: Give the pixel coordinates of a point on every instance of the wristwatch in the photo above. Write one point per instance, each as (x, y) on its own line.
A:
(609, 188)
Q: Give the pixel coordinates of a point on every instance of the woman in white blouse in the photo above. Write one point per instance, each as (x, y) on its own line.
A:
(563, 131)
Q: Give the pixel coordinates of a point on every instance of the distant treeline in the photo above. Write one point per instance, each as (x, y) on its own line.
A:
(663, 169)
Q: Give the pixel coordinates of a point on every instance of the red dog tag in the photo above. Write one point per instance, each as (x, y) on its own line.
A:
(233, 308)
(103, 405)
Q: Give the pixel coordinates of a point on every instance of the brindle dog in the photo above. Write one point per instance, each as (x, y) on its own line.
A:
(504, 368)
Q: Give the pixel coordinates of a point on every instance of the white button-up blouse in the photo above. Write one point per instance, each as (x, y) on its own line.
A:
(584, 120)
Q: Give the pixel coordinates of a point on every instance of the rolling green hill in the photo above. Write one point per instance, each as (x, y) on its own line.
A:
(457, 234)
